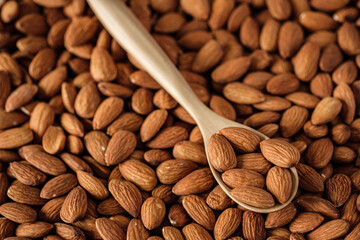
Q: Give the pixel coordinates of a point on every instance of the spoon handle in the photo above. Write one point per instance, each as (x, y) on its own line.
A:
(123, 25)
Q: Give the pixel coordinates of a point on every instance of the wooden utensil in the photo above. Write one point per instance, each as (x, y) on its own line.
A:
(126, 29)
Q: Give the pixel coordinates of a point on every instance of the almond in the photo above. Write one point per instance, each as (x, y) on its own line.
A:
(171, 171)
(281, 217)
(315, 21)
(87, 101)
(303, 99)
(69, 232)
(280, 153)
(321, 85)
(208, 56)
(136, 230)
(306, 60)
(102, 66)
(319, 153)
(218, 199)
(227, 223)
(267, 40)
(338, 189)
(198, 210)
(309, 179)
(178, 216)
(46, 163)
(345, 95)
(15, 137)
(242, 94)
(107, 112)
(8, 64)
(221, 155)
(249, 33)
(139, 173)
(33, 230)
(20, 96)
(152, 124)
(96, 143)
(168, 137)
(253, 161)
(195, 231)
(231, 70)
(243, 177)
(27, 174)
(306, 222)
(291, 36)
(58, 186)
(92, 185)
(319, 205)
(196, 182)
(336, 228)
(348, 38)
(253, 196)
(345, 73)
(326, 110)
(53, 140)
(152, 212)
(199, 9)
(331, 57)
(241, 139)
(22, 193)
(237, 17)
(292, 120)
(127, 195)
(108, 229)
(17, 212)
(253, 226)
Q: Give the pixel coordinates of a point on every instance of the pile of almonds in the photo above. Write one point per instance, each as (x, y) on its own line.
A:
(247, 184)
(91, 147)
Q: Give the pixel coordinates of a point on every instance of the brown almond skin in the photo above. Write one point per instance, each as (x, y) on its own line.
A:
(208, 56)
(189, 150)
(331, 57)
(306, 60)
(75, 205)
(139, 173)
(107, 112)
(309, 179)
(319, 153)
(281, 217)
(22, 193)
(136, 230)
(153, 212)
(87, 101)
(46, 163)
(171, 171)
(33, 230)
(348, 38)
(108, 229)
(196, 231)
(92, 185)
(253, 196)
(243, 177)
(306, 222)
(218, 199)
(15, 137)
(335, 228)
(338, 189)
(120, 146)
(253, 161)
(58, 186)
(253, 226)
(7, 227)
(69, 232)
(168, 137)
(20, 96)
(241, 139)
(292, 120)
(226, 224)
(319, 205)
(127, 195)
(102, 66)
(279, 183)
(152, 124)
(231, 70)
(242, 94)
(178, 216)
(41, 118)
(290, 38)
(221, 154)
(17, 212)
(196, 182)
(198, 210)
(280, 153)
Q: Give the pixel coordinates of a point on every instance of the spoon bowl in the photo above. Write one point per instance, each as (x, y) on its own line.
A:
(126, 29)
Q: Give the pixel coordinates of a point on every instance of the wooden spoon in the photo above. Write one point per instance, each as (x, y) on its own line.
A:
(126, 29)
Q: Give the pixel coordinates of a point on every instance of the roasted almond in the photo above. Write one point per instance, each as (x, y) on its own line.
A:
(280, 153)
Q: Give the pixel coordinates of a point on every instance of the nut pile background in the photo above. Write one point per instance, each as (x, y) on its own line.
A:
(92, 148)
